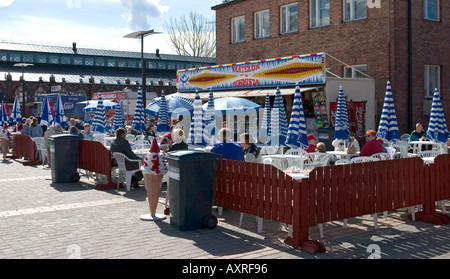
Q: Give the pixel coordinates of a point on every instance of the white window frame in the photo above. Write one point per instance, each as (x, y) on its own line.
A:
(285, 24)
(317, 13)
(429, 89)
(355, 68)
(238, 25)
(426, 10)
(352, 16)
(262, 24)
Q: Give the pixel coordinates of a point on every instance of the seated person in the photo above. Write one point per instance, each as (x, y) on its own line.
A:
(178, 141)
(251, 152)
(87, 134)
(74, 131)
(311, 144)
(420, 134)
(321, 147)
(229, 150)
(121, 144)
(372, 145)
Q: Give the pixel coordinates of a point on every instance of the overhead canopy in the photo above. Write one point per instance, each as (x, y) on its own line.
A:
(258, 92)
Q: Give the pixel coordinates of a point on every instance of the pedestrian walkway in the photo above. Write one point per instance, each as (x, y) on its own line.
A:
(43, 220)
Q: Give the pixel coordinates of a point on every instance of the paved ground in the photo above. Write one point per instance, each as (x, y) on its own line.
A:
(43, 220)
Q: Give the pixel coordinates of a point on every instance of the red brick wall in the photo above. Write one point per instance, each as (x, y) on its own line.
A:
(358, 42)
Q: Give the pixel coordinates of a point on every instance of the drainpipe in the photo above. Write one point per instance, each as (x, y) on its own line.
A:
(410, 89)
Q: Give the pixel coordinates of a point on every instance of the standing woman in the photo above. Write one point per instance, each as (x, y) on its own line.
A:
(6, 137)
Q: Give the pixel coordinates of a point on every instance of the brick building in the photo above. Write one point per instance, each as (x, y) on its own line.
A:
(405, 42)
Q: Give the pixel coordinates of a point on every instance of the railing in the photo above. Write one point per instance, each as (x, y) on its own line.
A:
(24, 146)
(94, 156)
(333, 192)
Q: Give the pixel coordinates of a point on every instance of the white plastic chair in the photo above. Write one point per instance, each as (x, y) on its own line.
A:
(317, 159)
(428, 153)
(381, 156)
(268, 150)
(405, 137)
(121, 159)
(343, 162)
(362, 159)
(41, 151)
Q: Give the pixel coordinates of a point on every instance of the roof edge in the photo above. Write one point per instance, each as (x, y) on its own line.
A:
(226, 3)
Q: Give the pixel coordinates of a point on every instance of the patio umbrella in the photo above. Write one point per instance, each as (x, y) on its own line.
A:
(3, 115)
(118, 118)
(93, 104)
(16, 115)
(197, 131)
(59, 113)
(233, 105)
(163, 119)
(341, 126)
(173, 102)
(297, 135)
(278, 122)
(437, 128)
(388, 127)
(139, 115)
(46, 113)
(99, 122)
(210, 115)
(265, 125)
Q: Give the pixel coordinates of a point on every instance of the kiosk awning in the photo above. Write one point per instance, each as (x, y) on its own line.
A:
(245, 93)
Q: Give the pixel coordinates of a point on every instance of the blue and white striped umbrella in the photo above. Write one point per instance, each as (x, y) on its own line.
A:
(46, 113)
(437, 128)
(341, 126)
(210, 115)
(265, 124)
(3, 115)
(139, 115)
(16, 115)
(118, 118)
(59, 113)
(197, 135)
(388, 127)
(99, 123)
(278, 122)
(163, 115)
(173, 103)
(297, 136)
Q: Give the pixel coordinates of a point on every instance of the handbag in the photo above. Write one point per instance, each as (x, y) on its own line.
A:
(351, 149)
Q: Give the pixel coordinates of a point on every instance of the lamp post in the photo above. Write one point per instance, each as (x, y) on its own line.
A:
(23, 65)
(141, 35)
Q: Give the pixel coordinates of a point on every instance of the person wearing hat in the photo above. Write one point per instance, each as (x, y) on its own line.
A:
(311, 144)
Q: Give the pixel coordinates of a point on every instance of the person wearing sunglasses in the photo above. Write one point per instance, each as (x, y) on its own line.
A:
(372, 145)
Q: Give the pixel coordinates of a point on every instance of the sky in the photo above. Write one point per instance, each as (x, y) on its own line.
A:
(98, 24)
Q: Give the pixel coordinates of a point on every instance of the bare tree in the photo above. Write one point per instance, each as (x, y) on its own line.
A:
(194, 35)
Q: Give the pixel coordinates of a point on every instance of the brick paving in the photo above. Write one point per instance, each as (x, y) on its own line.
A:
(43, 220)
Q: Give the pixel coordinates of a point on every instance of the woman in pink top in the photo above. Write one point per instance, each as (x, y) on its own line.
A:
(372, 145)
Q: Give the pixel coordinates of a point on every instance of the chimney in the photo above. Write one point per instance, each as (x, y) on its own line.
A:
(74, 47)
(157, 52)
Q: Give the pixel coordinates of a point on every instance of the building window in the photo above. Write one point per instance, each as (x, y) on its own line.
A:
(238, 29)
(42, 59)
(100, 62)
(355, 10)
(432, 79)
(122, 63)
(53, 59)
(111, 62)
(431, 9)
(65, 60)
(28, 58)
(161, 65)
(89, 61)
(14, 57)
(289, 18)
(3, 56)
(320, 13)
(150, 65)
(357, 71)
(78, 61)
(262, 24)
(132, 64)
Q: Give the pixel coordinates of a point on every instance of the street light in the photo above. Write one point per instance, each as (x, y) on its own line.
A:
(23, 65)
(141, 35)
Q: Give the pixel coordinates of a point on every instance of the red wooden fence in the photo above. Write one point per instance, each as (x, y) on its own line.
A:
(333, 192)
(94, 156)
(24, 146)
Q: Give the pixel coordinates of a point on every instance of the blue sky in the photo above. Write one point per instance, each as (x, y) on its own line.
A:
(94, 23)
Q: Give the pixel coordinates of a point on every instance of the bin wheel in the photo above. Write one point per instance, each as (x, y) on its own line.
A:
(210, 221)
(76, 177)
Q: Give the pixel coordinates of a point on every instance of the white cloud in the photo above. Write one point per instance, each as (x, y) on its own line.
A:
(6, 3)
(140, 11)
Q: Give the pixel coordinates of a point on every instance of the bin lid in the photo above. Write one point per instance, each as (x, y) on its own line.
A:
(65, 137)
(190, 155)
